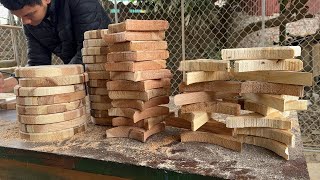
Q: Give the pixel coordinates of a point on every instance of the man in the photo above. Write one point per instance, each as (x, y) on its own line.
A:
(55, 26)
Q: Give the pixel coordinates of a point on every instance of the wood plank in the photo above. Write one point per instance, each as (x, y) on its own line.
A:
(90, 51)
(282, 77)
(94, 43)
(268, 65)
(44, 128)
(204, 65)
(93, 34)
(100, 99)
(8, 105)
(123, 121)
(137, 115)
(104, 121)
(275, 146)
(213, 107)
(276, 53)
(99, 75)
(119, 85)
(205, 137)
(214, 86)
(259, 108)
(136, 66)
(141, 75)
(256, 120)
(94, 59)
(134, 132)
(138, 55)
(97, 83)
(296, 105)
(140, 105)
(134, 36)
(47, 91)
(138, 95)
(201, 76)
(54, 99)
(100, 106)
(197, 119)
(50, 109)
(54, 81)
(139, 25)
(99, 113)
(283, 136)
(95, 67)
(49, 71)
(98, 91)
(53, 136)
(139, 46)
(199, 97)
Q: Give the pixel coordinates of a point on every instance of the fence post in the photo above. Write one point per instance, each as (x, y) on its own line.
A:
(183, 37)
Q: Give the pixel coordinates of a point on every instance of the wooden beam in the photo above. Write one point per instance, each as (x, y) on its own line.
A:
(138, 95)
(138, 46)
(133, 36)
(95, 67)
(97, 83)
(141, 75)
(99, 98)
(201, 76)
(49, 71)
(197, 119)
(99, 75)
(259, 108)
(268, 65)
(137, 56)
(94, 59)
(214, 86)
(94, 43)
(47, 91)
(92, 51)
(140, 105)
(199, 97)
(98, 91)
(139, 25)
(204, 65)
(93, 34)
(103, 121)
(132, 66)
(213, 107)
(138, 86)
(100, 106)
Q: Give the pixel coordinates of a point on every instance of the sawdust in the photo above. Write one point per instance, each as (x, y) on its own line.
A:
(9, 130)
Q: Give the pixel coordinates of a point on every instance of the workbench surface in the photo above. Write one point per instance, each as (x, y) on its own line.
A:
(162, 156)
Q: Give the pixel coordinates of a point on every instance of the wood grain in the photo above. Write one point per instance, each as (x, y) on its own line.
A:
(141, 75)
(49, 71)
(213, 107)
(47, 91)
(138, 55)
(140, 105)
(119, 85)
(139, 25)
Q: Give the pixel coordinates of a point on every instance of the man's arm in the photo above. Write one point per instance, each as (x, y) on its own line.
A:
(7, 85)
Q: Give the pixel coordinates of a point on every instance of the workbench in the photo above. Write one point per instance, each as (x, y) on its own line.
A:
(161, 157)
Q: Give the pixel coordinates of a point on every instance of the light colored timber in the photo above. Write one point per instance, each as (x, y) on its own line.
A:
(50, 109)
(94, 43)
(214, 86)
(204, 65)
(49, 71)
(94, 59)
(138, 95)
(268, 65)
(47, 91)
(103, 121)
(54, 99)
(95, 67)
(197, 119)
(256, 120)
(100, 106)
(138, 55)
(44, 128)
(282, 77)
(98, 83)
(131, 66)
(275, 53)
(201, 76)
(99, 75)
(141, 75)
(283, 136)
(93, 34)
(139, 46)
(134, 132)
(137, 115)
(205, 137)
(140, 105)
(139, 25)
(8, 105)
(99, 113)
(259, 108)
(138, 86)
(134, 36)
(199, 97)
(100, 99)
(123, 121)
(213, 107)
(98, 91)
(90, 51)
(275, 146)
(53, 136)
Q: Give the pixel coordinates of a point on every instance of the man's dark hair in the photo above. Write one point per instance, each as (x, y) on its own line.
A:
(13, 5)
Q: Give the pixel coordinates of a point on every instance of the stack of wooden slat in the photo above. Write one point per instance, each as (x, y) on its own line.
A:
(94, 53)
(51, 102)
(140, 82)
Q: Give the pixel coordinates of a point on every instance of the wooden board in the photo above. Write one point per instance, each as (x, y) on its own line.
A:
(93, 34)
(97, 83)
(54, 99)
(104, 121)
(275, 146)
(49, 71)
(99, 113)
(139, 25)
(204, 65)
(139, 46)
(53, 136)
(54, 126)
(8, 105)
(119, 85)
(54, 81)
(140, 105)
(261, 53)
(259, 108)
(205, 137)
(100, 106)
(47, 91)
(283, 136)
(201, 76)
(123, 121)
(137, 115)
(99, 75)
(136, 66)
(197, 119)
(214, 86)
(283, 77)
(268, 65)
(90, 51)
(134, 36)
(95, 67)
(138, 55)
(213, 107)
(94, 43)
(52, 118)
(100, 99)
(256, 120)
(94, 59)
(98, 91)
(134, 132)
(141, 75)
(199, 97)
(138, 95)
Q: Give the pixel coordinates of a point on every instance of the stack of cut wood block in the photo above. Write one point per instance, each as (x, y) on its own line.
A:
(51, 102)
(7, 101)
(140, 82)
(271, 86)
(94, 55)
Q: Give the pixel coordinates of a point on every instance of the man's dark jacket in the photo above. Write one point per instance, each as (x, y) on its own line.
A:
(61, 31)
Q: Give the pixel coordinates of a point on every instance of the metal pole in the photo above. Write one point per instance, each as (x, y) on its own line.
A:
(116, 11)
(263, 36)
(183, 37)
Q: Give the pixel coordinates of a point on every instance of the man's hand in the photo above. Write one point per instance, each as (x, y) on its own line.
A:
(7, 85)
(1, 83)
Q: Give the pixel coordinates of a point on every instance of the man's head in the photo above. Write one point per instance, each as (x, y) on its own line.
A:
(32, 12)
